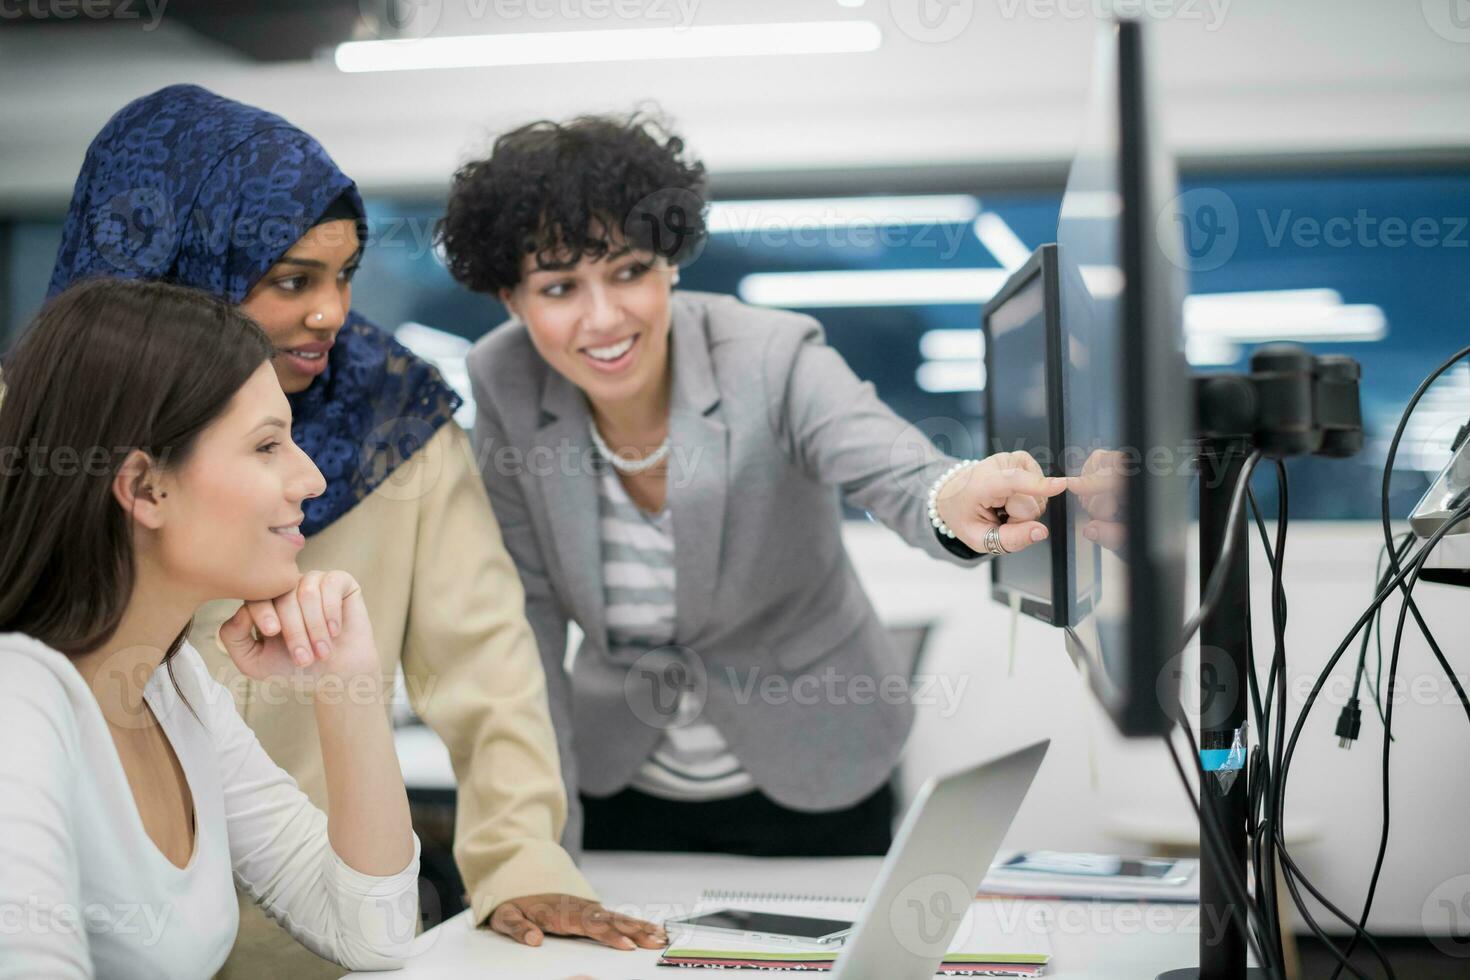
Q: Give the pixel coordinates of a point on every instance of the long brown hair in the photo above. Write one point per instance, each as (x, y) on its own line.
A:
(107, 367)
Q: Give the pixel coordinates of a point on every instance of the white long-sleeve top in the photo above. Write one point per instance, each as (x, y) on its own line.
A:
(85, 892)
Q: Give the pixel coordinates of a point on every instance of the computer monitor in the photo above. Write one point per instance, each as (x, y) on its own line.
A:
(1023, 412)
(1128, 414)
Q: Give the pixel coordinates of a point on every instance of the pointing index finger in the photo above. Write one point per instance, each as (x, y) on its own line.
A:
(1022, 481)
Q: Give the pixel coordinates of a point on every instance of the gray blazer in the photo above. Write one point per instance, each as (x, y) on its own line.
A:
(770, 431)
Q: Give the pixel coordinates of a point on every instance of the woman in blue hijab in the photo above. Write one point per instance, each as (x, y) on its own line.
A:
(189, 187)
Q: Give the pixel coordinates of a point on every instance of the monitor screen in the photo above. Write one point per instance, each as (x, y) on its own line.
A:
(1126, 411)
(1022, 402)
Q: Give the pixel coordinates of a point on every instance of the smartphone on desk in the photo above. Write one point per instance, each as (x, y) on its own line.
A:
(767, 926)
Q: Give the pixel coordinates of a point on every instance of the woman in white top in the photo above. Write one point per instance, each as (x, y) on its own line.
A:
(146, 467)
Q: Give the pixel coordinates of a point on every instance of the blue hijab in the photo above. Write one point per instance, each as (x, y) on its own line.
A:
(193, 188)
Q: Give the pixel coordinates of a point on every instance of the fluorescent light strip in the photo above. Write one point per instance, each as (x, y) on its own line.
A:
(1205, 351)
(841, 212)
(1298, 314)
(950, 376)
(1359, 323)
(1216, 325)
(629, 44)
(882, 287)
(952, 345)
(896, 287)
(1002, 242)
(1287, 314)
(431, 342)
(1278, 297)
(1092, 205)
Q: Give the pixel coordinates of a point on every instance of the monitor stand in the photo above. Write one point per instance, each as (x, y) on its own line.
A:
(1291, 403)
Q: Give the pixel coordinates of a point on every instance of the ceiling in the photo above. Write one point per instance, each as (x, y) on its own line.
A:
(1236, 78)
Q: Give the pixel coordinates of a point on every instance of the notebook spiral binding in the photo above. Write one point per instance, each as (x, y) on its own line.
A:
(722, 895)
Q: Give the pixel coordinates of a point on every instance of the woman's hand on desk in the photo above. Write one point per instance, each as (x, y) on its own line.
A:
(1006, 490)
(530, 918)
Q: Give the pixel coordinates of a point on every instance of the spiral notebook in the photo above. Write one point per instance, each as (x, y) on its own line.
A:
(997, 938)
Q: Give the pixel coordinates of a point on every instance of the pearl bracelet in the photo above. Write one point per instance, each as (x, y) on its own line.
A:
(934, 489)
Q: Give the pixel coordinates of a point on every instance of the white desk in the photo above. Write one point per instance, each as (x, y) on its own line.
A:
(1095, 941)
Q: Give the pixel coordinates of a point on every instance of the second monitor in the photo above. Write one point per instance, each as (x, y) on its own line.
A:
(1023, 412)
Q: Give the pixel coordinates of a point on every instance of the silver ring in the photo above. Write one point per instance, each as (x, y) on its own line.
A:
(992, 542)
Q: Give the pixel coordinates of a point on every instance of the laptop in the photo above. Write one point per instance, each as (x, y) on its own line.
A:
(939, 856)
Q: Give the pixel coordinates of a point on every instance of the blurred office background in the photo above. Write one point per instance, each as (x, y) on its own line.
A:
(1324, 148)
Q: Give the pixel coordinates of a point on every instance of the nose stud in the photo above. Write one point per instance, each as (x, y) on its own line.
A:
(318, 317)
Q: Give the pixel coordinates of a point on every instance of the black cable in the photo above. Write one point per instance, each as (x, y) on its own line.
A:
(1400, 549)
(1265, 845)
(1255, 785)
(1261, 933)
(1284, 770)
(1258, 714)
(1278, 681)
(1349, 721)
(1262, 913)
(1409, 606)
(1367, 635)
(1292, 874)
(1273, 790)
(1272, 829)
(1211, 595)
(1277, 558)
(1215, 588)
(1394, 582)
(1358, 927)
(1255, 781)
(1260, 786)
(1393, 666)
(1213, 837)
(1393, 669)
(1375, 687)
(1393, 449)
(1278, 675)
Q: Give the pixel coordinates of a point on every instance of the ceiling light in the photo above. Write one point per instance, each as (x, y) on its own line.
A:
(628, 44)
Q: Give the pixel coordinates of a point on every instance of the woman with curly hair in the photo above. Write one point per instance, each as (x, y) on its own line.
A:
(186, 186)
(668, 468)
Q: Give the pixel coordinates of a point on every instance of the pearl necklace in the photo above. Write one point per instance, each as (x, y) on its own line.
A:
(630, 466)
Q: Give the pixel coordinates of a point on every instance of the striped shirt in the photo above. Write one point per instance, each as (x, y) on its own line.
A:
(692, 762)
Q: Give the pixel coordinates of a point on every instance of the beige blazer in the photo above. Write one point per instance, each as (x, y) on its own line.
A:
(447, 604)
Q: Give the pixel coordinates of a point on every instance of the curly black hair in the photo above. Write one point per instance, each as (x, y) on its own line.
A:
(565, 191)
